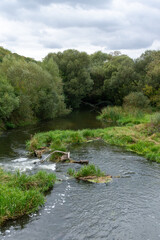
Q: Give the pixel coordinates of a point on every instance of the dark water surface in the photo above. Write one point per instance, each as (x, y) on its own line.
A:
(126, 208)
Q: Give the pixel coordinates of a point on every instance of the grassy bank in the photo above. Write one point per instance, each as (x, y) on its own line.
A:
(21, 194)
(124, 116)
(143, 139)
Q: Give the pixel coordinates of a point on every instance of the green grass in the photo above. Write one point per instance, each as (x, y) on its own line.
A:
(124, 116)
(141, 139)
(88, 170)
(21, 194)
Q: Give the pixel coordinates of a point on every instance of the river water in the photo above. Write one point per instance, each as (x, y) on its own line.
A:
(126, 208)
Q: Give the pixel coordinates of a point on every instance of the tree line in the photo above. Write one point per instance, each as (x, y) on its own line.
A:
(39, 90)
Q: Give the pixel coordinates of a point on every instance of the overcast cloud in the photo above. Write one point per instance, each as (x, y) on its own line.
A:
(36, 27)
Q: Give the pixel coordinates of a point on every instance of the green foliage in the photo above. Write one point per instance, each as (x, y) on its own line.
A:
(136, 138)
(88, 170)
(136, 100)
(124, 116)
(15, 203)
(88, 133)
(8, 100)
(36, 84)
(120, 78)
(74, 70)
(3, 53)
(98, 58)
(36, 90)
(31, 90)
(71, 171)
(155, 120)
(22, 194)
(76, 137)
(111, 114)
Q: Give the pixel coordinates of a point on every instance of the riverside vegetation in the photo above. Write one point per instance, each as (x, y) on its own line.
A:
(32, 90)
(21, 194)
(143, 138)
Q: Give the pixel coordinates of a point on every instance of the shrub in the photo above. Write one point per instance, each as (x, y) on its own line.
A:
(111, 114)
(136, 100)
(155, 120)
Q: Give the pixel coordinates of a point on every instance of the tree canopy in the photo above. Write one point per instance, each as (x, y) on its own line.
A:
(65, 80)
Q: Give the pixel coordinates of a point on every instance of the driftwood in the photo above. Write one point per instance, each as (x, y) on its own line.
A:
(80, 162)
(65, 158)
(38, 153)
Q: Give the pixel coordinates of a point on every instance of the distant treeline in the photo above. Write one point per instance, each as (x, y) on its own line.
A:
(32, 90)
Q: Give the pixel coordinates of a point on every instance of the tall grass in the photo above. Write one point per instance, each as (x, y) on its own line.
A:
(89, 170)
(21, 194)
(111, 114)
(123, 115)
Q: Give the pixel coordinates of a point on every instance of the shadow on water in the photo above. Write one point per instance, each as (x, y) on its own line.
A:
(126, 208)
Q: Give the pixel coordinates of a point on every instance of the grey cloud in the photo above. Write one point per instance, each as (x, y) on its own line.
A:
(8, 38)
(151, 3)
(91, 3)
(50, 44)
(12, 9)
(57, 24)
(130, 43)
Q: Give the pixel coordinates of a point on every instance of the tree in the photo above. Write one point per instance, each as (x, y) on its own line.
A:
(37, 90)
(121, 78)
(8, 100)
(136, 100)
(74, 70)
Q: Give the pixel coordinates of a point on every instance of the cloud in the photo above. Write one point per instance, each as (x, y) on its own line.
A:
(82, 3)
(27, 26)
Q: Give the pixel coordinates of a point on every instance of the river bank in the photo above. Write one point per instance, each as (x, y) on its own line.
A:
(123, 199)
(141, 139)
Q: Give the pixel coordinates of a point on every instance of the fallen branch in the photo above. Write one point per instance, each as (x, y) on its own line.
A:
(79, 162)
(65, 158)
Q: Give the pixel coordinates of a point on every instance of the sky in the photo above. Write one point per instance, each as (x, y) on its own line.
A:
(34, 28)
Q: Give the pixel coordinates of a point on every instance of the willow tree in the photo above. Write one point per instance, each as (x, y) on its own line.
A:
(74, 70)
(37, 90)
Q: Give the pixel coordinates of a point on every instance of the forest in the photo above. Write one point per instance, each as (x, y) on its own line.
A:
(32, 91)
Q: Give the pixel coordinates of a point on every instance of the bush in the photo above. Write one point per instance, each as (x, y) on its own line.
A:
(136, 100)
(111, 114)
(155, 120)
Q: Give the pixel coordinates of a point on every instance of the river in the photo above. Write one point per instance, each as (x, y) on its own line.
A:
(126, 208)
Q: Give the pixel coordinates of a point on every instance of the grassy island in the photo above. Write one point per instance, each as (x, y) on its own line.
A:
(21, 194)
(90, 173)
